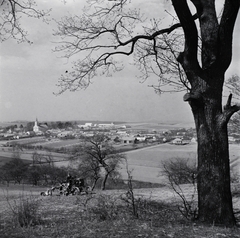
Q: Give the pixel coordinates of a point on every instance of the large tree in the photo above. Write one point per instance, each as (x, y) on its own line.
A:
(109, 30)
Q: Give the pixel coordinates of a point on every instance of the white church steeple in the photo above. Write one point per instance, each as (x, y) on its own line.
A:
(36, 127)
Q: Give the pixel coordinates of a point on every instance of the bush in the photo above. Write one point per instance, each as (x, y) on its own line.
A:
(25, 211)
(179, 171)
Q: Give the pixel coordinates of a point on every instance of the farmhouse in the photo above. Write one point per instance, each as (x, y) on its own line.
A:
(128, 139)
(177, 141)
(86, 125)
(151, 138)
(140, 137)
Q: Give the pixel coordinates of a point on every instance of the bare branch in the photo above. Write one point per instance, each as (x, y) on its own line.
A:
(190, 32)
(208, 23)
(227, 23)
(228, 111)
(105, 35)
(11, 12)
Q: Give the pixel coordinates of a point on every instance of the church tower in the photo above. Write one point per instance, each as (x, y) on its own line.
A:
(36, 127)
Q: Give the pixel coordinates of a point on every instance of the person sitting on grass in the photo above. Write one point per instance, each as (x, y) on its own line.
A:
(70, 184)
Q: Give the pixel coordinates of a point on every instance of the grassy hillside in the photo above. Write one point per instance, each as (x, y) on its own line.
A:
(100, 215)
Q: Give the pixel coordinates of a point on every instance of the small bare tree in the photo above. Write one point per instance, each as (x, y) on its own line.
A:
(103, 159)
(89, 168)
(130, 198)
(179, 171)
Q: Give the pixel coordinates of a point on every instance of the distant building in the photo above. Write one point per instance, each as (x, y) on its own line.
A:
(164, 140)
(128, 139)
(140, 138)
(194, 140)
(177, 141)
(106, 125)
(89, 124)
(39, 129)
(86, 125)
(36, 127)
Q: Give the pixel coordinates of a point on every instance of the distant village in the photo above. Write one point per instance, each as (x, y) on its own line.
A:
(117, 133)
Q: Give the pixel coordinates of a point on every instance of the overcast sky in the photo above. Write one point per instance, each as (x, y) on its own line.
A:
(29, 74)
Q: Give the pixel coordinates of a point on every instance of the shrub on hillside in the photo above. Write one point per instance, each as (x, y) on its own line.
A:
(179, 171)
(25, 211)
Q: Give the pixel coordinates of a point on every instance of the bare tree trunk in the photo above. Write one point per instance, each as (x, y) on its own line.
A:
(205, 97)
(94, 183)
(214, 191)
(213, 179)
(104, 181)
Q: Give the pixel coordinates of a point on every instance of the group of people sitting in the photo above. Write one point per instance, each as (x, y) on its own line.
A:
(71, 186)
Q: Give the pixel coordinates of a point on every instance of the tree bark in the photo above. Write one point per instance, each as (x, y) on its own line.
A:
(213, 178)
(214, 192)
